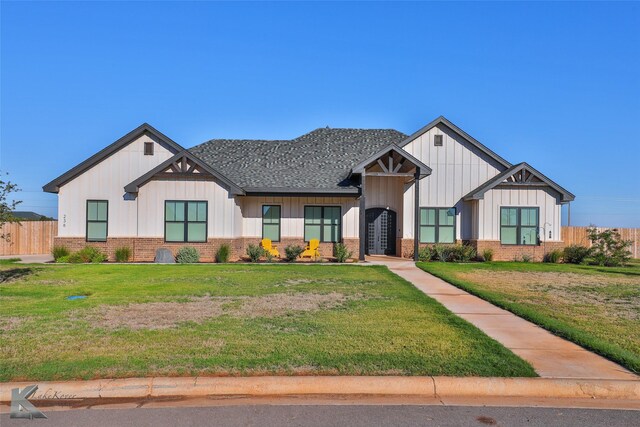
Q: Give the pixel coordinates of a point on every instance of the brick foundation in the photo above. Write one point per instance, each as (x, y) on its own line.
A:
(144, 248)
(500, 252)
(406, 246)
(515, 252)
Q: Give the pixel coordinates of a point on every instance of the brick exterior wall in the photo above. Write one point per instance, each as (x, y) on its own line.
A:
(500, 252)
(406, 246)
(515, 252)
(144, 249)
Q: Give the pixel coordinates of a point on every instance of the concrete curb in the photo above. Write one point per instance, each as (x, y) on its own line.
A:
(434, 387)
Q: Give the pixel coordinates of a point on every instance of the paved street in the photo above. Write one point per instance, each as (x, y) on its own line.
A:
(322, 415)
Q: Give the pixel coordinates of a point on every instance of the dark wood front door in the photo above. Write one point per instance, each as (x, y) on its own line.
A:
(381, 231)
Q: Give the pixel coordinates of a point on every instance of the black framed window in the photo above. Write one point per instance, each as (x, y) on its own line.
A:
(437, 225)
(519, 226)
(437, 140)
(271, 222)
(185, 221)
(323, 223)
(97, 220)
(148, 148)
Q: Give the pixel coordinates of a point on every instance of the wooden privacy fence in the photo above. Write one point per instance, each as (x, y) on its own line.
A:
(36, 237)
(29, 238)
(578, 236)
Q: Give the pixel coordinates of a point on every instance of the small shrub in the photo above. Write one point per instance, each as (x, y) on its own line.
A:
(451, 253)
(88, 254)
(292, 252)
(59, 252)
(64, 258)
(255, 252)
(223, 253)
(426, 253)
(468, 253)
(341, 252)
(607, 247)
(487, 255)
(575, 254)
(526, 258)
(460, 253)
(75, 258)
(441, 252)
(123, 254)
(187, 255)
(554, 257)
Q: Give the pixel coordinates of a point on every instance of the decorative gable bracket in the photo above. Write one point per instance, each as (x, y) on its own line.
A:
(392, 161)
(183, 165)
(520, 175)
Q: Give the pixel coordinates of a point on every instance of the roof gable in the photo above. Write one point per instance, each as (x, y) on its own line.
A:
(389, 152)
(145, 128)
(471, 140)
(520, 175)
(182, 165)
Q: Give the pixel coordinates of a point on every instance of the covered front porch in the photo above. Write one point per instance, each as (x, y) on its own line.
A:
(385, 177)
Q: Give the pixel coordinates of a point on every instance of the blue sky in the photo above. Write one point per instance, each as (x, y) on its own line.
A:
(553, 84)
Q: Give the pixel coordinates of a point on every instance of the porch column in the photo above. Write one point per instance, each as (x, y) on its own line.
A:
(416, 216)
(362, 219)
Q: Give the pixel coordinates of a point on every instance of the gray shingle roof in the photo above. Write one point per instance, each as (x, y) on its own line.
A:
(319, 161)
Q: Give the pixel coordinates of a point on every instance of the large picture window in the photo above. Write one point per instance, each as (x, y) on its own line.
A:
(437, 225)
(185, 221)
(271, 222)
(519, 226)
(322, 223)
(97, 219)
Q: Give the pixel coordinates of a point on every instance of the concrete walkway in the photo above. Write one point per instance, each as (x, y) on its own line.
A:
(30, 259)
(550, 356)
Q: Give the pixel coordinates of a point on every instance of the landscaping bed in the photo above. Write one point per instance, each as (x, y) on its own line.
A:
(196, 320)
(595, 307)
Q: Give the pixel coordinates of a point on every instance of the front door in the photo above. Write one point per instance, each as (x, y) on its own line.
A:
(381, 231)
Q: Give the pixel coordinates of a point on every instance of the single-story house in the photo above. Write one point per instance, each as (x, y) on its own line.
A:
(378, 191)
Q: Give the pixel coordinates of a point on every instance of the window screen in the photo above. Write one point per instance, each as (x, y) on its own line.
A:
(97, 219)
(437, 225)
(271, 222)
(323, 223)
(185, 221)
(519, 226)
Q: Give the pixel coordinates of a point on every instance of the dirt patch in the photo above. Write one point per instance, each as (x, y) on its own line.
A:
(546, 278)
(281, 304)
(10, 323)
(14, 274)
(573, 288)
(55, 282)
(155, 315)
(163, 315)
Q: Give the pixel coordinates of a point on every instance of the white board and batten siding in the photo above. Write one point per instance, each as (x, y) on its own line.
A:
(224, 219)
(545, 199)
(292, 214)
(106, 181)
(458, 167)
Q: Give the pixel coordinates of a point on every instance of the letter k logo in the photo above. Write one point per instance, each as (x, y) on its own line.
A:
(21, 407)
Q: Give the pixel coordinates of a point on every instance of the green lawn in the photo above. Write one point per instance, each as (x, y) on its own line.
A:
(145, 320)
(596, 307)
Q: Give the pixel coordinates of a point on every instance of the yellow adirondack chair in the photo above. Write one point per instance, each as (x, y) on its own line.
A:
(266, 245)
(311, 250)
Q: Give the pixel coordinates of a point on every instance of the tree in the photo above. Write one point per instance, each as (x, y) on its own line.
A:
(6, 207)
(608, 248)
